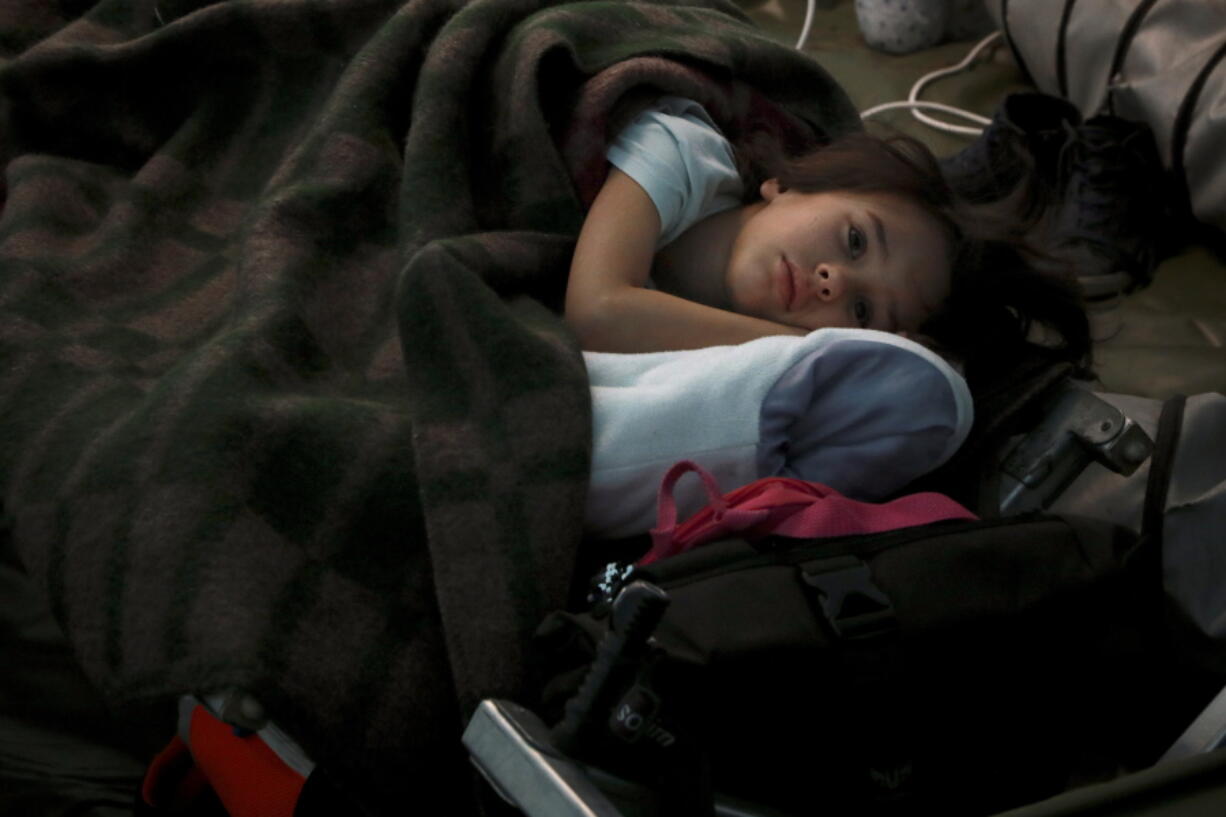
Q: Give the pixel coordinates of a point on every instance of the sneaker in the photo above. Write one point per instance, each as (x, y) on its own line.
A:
(1112, 218)
(1023, 143)
(1096, 190)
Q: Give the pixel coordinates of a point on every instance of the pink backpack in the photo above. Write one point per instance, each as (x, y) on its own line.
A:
(783, 506)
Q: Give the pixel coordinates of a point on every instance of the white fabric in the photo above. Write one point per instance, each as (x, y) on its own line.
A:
(862, 411)
(679, 157)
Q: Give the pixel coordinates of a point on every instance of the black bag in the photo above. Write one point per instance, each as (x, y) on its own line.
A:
(952, 668)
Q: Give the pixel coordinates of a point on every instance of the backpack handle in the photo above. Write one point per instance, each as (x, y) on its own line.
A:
(666, 504)
(663, 534)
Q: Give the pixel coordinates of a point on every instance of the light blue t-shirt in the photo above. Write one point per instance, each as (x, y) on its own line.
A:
(677, 154)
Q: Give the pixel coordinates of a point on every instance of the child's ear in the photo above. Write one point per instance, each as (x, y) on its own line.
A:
(770, 188)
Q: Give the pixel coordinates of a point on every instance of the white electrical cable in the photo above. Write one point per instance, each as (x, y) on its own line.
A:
(923, 81)
(916, 105)
(913, 102)
(810, 8)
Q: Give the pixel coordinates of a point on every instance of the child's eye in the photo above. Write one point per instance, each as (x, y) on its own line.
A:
(862, 313)
(857, 243)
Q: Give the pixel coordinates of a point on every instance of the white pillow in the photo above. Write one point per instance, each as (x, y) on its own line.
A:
(862, 411)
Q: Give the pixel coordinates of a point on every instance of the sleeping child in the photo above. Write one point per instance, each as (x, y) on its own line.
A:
(677, 252)
(780, 316)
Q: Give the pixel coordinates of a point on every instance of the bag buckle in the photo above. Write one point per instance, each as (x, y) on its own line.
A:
(854, 606)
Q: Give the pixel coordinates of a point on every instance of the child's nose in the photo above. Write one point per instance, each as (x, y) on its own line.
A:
(828, 284)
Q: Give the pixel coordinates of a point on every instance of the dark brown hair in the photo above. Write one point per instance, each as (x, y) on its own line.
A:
(1007, 299)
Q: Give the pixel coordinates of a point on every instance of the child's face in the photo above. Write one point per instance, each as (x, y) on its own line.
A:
(816, 260)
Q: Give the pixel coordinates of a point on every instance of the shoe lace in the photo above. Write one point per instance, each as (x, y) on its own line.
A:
(1104, 180)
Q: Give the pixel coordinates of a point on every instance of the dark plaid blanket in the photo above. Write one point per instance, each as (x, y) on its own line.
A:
(286, 403)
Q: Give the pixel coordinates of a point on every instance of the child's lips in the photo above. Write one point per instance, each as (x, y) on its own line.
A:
(785, 283)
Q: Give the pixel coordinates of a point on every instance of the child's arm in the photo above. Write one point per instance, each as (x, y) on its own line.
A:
(606, 302)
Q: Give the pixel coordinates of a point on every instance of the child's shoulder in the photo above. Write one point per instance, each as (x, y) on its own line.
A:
(674, 151)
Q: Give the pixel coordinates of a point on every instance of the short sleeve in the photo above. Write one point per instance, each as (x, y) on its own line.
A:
(679, 157)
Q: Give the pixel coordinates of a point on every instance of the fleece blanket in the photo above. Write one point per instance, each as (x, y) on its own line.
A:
(286, 403)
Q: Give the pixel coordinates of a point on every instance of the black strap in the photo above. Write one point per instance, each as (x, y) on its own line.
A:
(1125, 41)
(1161, 466)
(1061, 48)
(1017, 55)
(870, 663)
(1127, 33)
(1183, 119)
